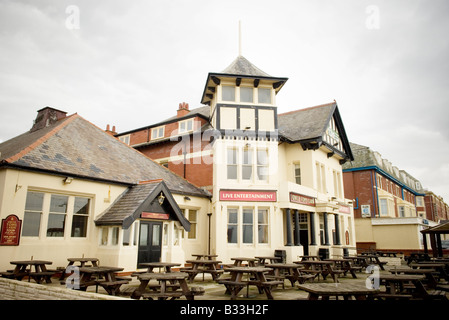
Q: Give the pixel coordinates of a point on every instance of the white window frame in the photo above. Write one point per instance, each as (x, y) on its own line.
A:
(186, 124)
(125, 139)
(156, 133)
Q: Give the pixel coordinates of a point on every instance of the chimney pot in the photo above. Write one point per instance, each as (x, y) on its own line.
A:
(183, 109)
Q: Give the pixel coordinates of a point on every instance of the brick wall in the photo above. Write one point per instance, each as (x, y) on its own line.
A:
(23, 290)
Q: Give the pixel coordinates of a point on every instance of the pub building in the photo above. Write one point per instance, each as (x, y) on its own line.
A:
(275, 179)
(69, 190)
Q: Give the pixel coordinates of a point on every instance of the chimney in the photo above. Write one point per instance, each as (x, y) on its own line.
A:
(109, 131)
(46, 117)
(183, 109)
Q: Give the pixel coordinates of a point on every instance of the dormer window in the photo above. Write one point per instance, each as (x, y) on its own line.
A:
(185, 126)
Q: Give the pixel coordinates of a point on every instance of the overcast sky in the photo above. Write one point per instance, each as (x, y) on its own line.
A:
(130, 64)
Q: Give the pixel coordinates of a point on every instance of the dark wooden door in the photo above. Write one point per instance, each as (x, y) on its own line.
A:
(150, 242)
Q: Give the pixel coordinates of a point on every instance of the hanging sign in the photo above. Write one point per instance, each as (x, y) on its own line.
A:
(344, 209)
(241, 195)
(154, 215)
(10, 233)
(302, 199)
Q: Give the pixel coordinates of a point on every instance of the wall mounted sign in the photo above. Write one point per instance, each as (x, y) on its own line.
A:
(154, 215)
(302, 199)
(10, 233)
(344, 209)
(242, 195)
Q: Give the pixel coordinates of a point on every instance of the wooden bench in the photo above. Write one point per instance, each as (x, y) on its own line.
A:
(388, 296)
(39, 276)
(112, 287)
(161, 296)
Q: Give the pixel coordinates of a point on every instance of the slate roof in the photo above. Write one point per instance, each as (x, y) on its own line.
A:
(241, 66)
(135, 200)
(306, 123)
(75, 147)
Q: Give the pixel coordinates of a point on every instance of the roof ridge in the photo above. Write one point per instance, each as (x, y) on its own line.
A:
(64, 122)
(308, 108)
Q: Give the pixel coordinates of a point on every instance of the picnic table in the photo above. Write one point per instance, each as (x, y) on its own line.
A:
(359, 261)
(205, 256)
(374, 259)
(346, 266)
(166, 266)
(263, 259)
(101, 276)
(441, 268)
(25, 268)
(324, 268)
(172, 285)
(290, 271)
(313, 258)
(429, 273)
(78, 262)
(238, 261)
(203, 266)
(408, 286)
(346, 290)
(256, 277)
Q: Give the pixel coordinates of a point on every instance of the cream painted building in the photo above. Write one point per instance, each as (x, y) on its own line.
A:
(77, 191)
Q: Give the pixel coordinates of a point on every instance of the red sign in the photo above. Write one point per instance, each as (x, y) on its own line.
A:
(344, 209)
(153, 215)
(301, 199)
(10, 234)
(239, 195)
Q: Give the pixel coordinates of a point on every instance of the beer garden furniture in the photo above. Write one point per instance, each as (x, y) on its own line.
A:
(166, 266)
(346, 290)
(203, 266)
(205, 256)
(171, 285)
(256, 277)
(439, 267)
(290, 271)
(324, 268)
(272, 259)
(346, 266)
(101, 276)
(408, 286)
(25, 269)
(431, 281)
(238, 261)
(79, 262)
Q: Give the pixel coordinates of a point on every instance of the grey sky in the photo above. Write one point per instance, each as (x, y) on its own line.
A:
(131, 63)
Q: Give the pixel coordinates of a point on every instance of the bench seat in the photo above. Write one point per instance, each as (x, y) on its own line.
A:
(166, 295)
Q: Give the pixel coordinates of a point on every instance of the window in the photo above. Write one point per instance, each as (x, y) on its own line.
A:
(401, 211)
(232, 225)
(104, 236)
(157, 133)
(115, 233)
(228, 93)
(383, 207)
(193, 224)
(126, 236)
(246, 94)
(248, 225)
(247, 164)
(33, 213)
(185, 126)
(297, 173)
(125, 139)
(232, 163)
(264, 95)
(262, 221)
(320, 177)
(322, 237)
(80, 216)
(262, 165)
(57, 216)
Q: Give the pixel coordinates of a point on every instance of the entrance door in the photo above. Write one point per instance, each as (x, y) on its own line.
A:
(304, 240)
(150, 242)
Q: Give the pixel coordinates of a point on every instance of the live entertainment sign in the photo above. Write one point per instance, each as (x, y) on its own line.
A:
(10, 233)
(302, 199)
(242, 195)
